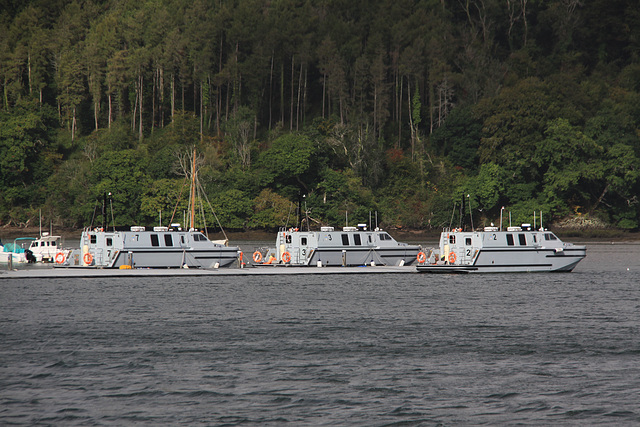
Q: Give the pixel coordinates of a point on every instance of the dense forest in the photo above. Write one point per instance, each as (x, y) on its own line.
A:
(400, 107)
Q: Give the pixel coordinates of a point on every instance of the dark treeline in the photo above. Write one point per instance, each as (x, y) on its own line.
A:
(400, 107)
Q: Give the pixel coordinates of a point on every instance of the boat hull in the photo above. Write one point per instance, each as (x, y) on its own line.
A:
(176, 259)
(354, 257)
(514, 261)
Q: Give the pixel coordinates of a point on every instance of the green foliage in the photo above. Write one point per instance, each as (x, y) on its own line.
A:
(530, 108)
(459, 138)
(270, 211)
(123, 175)
(289, 163)
(232, 208)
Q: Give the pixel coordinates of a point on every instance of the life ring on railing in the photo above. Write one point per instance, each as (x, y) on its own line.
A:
(60, 258)
(452, 257)
(257, 257)
(422, 257)
(87, 258)
(286, 257)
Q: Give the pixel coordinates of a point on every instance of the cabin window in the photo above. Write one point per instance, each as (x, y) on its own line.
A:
(535, 239)
(93, 238)
(370, 239)
(199, 237)
(523, 239)
(154, 240)
(384, 236)
(53, 243)
(549, 236)
(288, 238)
(168, 240)
(345, 239)
(467, 241)
(303, 241)
(452, 239)
(356, 239)
(510, 239)
(109, 241)
(182, 239)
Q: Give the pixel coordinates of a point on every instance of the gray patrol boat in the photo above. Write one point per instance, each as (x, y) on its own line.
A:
(351, 246)
(160, 247)
(518, 249)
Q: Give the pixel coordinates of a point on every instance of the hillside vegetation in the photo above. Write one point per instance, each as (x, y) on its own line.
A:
(398, 107)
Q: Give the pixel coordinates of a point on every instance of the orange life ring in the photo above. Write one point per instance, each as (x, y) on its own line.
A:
(421, 257)
(257, 257)
(286, 257)
(87, 258)
(60, 258)
(452, 257)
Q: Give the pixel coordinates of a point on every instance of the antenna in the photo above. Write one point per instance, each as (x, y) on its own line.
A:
(470, 212)
(306, 212)
(113, 218)
(501, 209)
(452, 214)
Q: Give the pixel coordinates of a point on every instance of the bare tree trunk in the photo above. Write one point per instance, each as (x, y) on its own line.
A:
(292, 91)
(135, 112)
(141, 104)
(201, 115)
(182, 89)
(304, 97)
(400, 112)
(413, 139)
(270, 90)
(324, 91)
(73, 124)
(524, 19)
(110, 109)
(282, 93)
(29, 70)
(219, 91)
(195, 91)
(153, 99)
(173, 95)
(375, 107)
(226, 113)
(161, 89)
(96, 108)
(299, 98)
(604, 192)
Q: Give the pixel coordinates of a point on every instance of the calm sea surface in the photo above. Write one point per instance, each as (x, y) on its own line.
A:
(371, 350)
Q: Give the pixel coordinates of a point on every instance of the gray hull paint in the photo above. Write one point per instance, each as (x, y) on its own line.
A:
(352, 257)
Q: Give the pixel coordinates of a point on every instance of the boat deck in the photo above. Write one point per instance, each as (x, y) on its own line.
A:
(78, 272)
